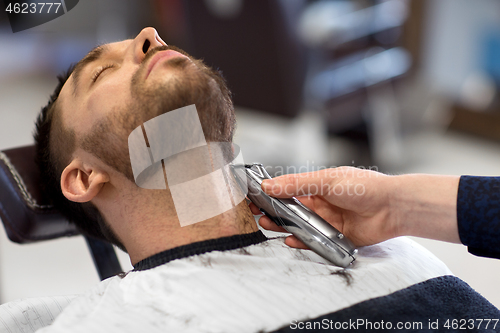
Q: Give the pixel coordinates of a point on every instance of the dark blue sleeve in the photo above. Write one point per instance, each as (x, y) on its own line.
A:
(478, 215)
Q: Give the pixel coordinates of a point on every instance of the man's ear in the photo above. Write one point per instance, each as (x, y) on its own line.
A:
(80, 182)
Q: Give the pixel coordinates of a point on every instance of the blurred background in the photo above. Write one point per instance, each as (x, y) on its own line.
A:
(398, 86)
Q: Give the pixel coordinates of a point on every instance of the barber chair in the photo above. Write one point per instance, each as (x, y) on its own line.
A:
(28, 216)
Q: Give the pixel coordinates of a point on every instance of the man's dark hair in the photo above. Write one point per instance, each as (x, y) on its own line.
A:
(55, 145)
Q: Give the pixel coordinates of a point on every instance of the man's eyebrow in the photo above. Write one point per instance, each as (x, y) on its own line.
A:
(94, 55)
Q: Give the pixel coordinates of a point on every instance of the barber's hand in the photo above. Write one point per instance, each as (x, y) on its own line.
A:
(369, 207)
(354, 201)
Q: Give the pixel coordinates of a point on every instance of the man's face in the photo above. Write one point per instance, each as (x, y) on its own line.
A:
(103, 85)
(121, 85)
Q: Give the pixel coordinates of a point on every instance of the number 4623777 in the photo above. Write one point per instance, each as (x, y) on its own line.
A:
(33, 8)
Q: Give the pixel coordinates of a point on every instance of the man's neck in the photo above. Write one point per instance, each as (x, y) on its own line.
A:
(148, 225)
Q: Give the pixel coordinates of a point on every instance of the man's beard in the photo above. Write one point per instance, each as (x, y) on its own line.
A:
(192, 82)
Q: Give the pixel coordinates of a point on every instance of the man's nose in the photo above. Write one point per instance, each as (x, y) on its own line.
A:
(147, 39)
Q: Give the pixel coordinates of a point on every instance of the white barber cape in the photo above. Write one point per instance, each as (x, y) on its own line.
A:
(260, 287)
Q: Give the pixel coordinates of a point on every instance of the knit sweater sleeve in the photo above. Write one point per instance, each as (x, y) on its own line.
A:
(478, 215)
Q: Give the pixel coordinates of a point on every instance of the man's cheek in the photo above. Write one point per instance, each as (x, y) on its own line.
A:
(108, 96)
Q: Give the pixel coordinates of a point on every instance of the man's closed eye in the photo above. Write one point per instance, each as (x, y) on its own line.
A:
(99, 71)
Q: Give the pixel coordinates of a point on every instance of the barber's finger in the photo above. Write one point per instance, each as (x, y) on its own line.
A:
(293, 241)
(254, 209)
(266, 223)
(311, 183)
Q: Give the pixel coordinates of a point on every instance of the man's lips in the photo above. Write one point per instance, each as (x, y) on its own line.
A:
(161, 56)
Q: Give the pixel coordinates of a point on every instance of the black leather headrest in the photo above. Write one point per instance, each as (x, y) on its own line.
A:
(26, 214)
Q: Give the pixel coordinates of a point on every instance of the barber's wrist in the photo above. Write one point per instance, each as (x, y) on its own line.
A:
(426, 206)
(398, 205)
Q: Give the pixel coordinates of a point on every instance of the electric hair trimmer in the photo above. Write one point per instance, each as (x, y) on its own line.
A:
(294, 217)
